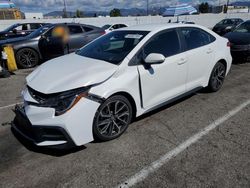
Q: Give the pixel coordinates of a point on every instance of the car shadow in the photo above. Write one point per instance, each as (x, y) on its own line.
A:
(45, 150)
(169, 105)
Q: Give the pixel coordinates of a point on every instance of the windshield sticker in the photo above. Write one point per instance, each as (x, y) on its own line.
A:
(133, 36)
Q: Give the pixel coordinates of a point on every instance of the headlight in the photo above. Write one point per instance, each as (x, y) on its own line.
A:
(61, 102)
(65, 102)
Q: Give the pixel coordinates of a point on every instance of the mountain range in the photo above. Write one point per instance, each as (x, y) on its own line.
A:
(128, 12)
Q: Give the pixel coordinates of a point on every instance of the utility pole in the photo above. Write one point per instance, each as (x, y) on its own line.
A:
(65, 10)
(147, 6)
(227, 5)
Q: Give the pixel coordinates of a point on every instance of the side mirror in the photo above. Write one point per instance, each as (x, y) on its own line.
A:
(43, 36)
(228, 28)
(154, 58)
(14, 31)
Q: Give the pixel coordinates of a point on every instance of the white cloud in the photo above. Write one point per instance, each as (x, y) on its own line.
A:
(50, 5)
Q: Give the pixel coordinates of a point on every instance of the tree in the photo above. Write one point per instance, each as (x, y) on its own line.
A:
(225, 8)
(204, 7)
(79, 13)
(115, 12)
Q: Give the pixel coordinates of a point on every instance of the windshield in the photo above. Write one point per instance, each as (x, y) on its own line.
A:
(243, 28)
(39, 31)
(113, 47)
(106, 26)
(10, 28)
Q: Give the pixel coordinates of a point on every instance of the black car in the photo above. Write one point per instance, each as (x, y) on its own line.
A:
(43, 45)
(240, 42)
(226, 25)
(19, 30)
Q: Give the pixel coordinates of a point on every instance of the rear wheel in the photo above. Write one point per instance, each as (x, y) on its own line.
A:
(217, 77)
(27, 58)
(112, 118)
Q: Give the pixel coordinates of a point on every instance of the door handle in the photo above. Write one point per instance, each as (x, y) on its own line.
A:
(209, 51)
(182, 61)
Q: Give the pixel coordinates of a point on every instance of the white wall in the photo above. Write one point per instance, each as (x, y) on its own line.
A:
(31, 15)
(207, 20)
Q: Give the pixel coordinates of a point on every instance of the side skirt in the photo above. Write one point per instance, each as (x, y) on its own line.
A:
(174, 99)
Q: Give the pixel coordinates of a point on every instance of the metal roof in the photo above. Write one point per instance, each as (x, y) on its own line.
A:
(7, 4)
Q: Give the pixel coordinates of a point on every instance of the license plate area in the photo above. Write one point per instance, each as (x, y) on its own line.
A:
(22, 123)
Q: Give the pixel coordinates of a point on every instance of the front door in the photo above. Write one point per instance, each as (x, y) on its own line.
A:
(53, 43)
(162, 82)
(77, 37)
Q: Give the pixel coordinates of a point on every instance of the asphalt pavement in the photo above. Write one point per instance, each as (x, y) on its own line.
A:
(220, 158)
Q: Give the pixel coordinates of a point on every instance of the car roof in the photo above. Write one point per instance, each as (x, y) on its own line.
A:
(72, 23)
(232, 19)
(157, 27)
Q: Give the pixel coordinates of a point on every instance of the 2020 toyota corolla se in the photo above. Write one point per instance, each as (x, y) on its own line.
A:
(95, 92)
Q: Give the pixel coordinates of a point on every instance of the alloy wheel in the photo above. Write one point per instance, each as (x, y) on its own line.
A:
(218, 76)
(27, 58)
(113, 119)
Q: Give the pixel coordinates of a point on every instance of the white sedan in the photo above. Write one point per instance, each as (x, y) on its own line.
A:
(111, 27)
(96, 92)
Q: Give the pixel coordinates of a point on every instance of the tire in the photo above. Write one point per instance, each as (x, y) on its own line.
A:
(217, 77)
(27, 58)
(112, 118)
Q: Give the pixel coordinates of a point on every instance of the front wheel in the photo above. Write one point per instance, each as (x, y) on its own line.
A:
(112, 118)
(217, 77)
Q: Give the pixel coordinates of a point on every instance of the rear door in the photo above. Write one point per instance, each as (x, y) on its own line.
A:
(76, 38)
(162, 82)
(199, 50)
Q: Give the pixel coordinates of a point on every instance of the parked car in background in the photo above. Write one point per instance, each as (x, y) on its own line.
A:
(19, 30)
(110, 27)
(226, 25)
(240, 42)
(44, 44)
(126, 73)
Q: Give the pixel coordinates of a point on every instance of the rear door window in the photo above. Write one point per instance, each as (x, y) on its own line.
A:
(34, 26)
(75, 29)
(195, 37)
(87, 29)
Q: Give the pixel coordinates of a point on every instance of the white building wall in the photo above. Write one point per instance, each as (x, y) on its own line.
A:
(207, 20)
(31, 15)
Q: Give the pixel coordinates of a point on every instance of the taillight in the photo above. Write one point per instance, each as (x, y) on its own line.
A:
(103, 33)
(228, 44)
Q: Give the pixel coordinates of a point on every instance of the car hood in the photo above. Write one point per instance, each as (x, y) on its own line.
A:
(238, 38)
(69, 72)
(3, 32)
(13, 40)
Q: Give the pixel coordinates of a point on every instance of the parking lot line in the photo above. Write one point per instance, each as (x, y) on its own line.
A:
(145, 172)
(8, 106)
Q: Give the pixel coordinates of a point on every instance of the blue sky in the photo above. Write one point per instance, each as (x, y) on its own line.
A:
(100, 5)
